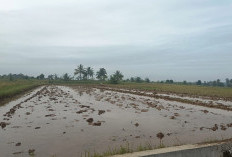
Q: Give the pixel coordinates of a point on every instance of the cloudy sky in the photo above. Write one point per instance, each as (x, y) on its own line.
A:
(160, 39)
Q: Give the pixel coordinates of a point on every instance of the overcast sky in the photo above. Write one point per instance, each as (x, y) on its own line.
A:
(159, 39)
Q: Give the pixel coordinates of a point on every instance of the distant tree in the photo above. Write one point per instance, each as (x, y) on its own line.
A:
(227, 82)
(138, 80)
(50, 78)
(113, 79)
(184, 82)
(66, 77)
(132, 79)
(116, 77)
(41, 77)
(84, 77)
(147, 80)
(10, 77)
(198, 82)
(119, 76)
(219, 83)
(80, 70)
(214, 83)
(101, 74)
(89, 72)
(56, 77)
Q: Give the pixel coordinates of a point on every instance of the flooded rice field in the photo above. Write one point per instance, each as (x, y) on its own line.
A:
(67, 121)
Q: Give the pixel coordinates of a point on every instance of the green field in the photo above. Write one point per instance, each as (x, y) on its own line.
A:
(194, 90)
(9, 89)
(221, 92)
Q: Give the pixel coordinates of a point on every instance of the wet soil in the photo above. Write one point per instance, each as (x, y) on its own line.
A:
(65, 121)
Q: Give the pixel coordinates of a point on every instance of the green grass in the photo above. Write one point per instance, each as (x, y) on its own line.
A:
(221, 92)
(9, 89)
(218, 92)
(123, 149)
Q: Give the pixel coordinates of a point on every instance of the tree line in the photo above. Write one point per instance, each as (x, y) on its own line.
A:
(82, 73)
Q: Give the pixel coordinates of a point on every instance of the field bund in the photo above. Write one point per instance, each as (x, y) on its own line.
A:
(70, 121)
(207, 150)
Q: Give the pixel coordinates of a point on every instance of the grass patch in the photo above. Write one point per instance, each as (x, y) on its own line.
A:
(192, 90)
(9, 89)
(123, 149)
(220, 92)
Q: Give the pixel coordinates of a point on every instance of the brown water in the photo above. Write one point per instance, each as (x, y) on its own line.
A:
(53, 121)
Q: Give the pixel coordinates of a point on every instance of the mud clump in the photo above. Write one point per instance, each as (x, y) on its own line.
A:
(31, 151)
(169, 134)
(97, 124)
(223, 127)
(136, 124)
(101, 112)
(160, 107)
(37, 127)
(28, 113)
(3, 124)
(90, 120)
(18, 144)
(172, 117)
(81, 111)
(84, 106)
(215, 127)
(16, 153)
(160, 135)
(50, 115)
(144, 110)
(205, 111)
(229, 125)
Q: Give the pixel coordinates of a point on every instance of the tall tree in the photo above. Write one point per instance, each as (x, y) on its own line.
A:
(41, 77)
(227, 82)
(50, 78)
(10, 77)
(147, 80)
(132, 79)
(89, 72)
(80, 70)
(116, 77)
(66, 77)
(198, 82)
(138, 80)
(101, 74)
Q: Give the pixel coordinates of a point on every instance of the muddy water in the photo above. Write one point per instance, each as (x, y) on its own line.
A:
(64, 121)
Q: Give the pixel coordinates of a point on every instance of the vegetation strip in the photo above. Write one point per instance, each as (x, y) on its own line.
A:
(9, 90)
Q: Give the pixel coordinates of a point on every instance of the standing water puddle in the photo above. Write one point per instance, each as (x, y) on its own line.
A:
(64, 121)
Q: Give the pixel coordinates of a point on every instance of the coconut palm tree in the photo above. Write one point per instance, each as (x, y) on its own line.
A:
(80, 70)
(89, 72)
(118, 75)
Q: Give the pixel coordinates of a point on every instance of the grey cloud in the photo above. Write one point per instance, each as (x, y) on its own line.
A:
(161, 39)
